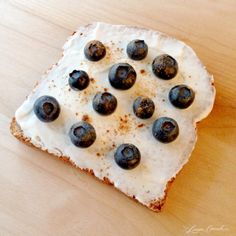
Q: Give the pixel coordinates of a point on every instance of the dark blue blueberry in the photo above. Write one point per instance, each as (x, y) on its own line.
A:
(82, 134)
(165, 129)
(122, 76)
(127, 156)
(137, 49)
(165, 67)
(181, 96)
(143, 107)
(94, 50)
(78, 80)
(104, 103)
(46, 108)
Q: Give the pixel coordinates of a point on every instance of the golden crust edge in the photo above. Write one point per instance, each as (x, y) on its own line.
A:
(155, 205)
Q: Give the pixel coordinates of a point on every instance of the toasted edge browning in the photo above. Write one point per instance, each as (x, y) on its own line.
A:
(155, 205)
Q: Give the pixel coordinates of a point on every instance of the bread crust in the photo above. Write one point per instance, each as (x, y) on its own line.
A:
(155, 205)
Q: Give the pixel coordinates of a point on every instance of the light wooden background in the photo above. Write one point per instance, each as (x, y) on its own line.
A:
(40, 195)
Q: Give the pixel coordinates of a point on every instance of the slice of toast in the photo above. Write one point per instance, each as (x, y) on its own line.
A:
(160, 162)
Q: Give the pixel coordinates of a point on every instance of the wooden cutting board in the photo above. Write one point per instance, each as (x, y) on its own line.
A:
(40, 195)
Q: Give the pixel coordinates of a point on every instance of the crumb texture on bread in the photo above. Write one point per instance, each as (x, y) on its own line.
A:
(160, 163)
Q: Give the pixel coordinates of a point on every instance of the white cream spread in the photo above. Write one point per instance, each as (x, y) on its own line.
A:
(159, 162)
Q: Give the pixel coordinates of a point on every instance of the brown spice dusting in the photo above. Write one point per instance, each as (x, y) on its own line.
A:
(140, 125)
(108, 56)
(69, 89)
(124, 125)
(142, 71)
(163, 100)
(98, 154)
(109, 149)
(81, 33)
(76, 114)
(86, 118)
(92, 80)
(105, 89)
(108, 130)
(113, 145)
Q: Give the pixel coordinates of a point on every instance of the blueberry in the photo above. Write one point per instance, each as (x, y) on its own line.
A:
(165, 67)
(122, 76)
(94, 50)
(127, 156)
(165, 129)
(78, 80)
(46, 108)
(143, 107)
(82, 134)
(137, 49)
(181, 96)
(104, 103)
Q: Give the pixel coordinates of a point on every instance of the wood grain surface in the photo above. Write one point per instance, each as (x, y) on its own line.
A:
(40, 195)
